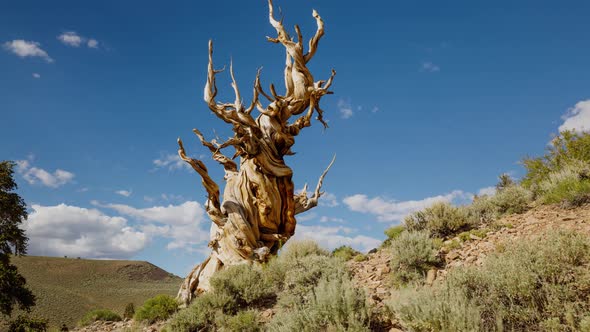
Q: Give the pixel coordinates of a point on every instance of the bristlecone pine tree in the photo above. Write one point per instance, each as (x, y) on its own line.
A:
(257, 215)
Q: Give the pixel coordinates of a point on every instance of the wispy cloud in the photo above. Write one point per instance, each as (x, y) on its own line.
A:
(328, 199)
(125, 193)
(487, 191)
(34, 175)
(345, 109)
(92, 43)
(430, 67)
(387, 210)
(24, 48)
(170, 162)
(577, 118)
(73, 39)
(36, 75)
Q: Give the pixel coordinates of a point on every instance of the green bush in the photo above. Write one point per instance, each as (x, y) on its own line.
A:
(566, 149)
(504, 181)
(333, 305)
(392, 233)
(512, 199)
(243, 321)
(570, 185)
(346, 253)
(298, 249)
(301, 276)
(27, 324)
(99, 314)
(413, 254)
(244, 284)
(129, 311)
(441, 219)
(509, 200)
(530, 286)
(157, 308)
(360, 258)
(203, 313)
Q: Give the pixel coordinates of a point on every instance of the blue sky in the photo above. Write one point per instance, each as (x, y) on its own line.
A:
(433, 100)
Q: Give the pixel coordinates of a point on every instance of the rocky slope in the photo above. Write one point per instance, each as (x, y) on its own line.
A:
(373, 273)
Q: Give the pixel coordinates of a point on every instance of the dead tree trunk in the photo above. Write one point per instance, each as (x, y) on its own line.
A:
(257, 215)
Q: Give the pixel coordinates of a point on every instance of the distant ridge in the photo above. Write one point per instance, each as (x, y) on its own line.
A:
(67, 288)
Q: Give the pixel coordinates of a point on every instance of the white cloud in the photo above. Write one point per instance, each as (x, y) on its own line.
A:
(182, 223)
(79, 232)
(577, 118)
(488, 191)
(73, 39)
(325, 219)
(125, 193)
(172, 197)
(35, 175)
(392, 210)
(92, 43)
(36, 75)
(375, 109)
(335, 236)
(24, 48)
(328, 199)
(345, 109)
(171, 162)
(307, 216)
(430, 67)
(70, 38)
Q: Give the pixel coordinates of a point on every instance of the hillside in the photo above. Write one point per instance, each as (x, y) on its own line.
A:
(67, 288)
(374, 274)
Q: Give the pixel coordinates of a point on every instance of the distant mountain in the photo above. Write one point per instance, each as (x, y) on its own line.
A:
(67, 288)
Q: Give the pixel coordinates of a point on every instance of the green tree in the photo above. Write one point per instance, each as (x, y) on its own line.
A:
(13, 241)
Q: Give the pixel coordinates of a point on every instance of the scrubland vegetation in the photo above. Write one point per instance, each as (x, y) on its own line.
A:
(309, 289)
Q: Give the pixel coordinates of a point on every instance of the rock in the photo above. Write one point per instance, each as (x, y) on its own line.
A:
(372, 251)
(452, 256)
(431, 276)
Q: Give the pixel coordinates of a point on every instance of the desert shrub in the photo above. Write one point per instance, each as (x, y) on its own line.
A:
(392, 233)
(99, 314)
(202, 314)
(301, 275)
(159, 307)
(243, 321)
(509, 200)
(333, 305)
(413, 254)
(243, 283)
(297, 249)
(345, 252)
(360, 258)
(129, 310)
(529, 286)
(27, 324)
(435, 309)
(570, 185)
(504, 181)
(512, 199)
(566, 149)
(441, 219)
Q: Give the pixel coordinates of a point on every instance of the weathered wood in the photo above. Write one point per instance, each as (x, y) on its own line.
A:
(257, 214)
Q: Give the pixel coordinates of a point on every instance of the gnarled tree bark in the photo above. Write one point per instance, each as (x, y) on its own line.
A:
(257, 215)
